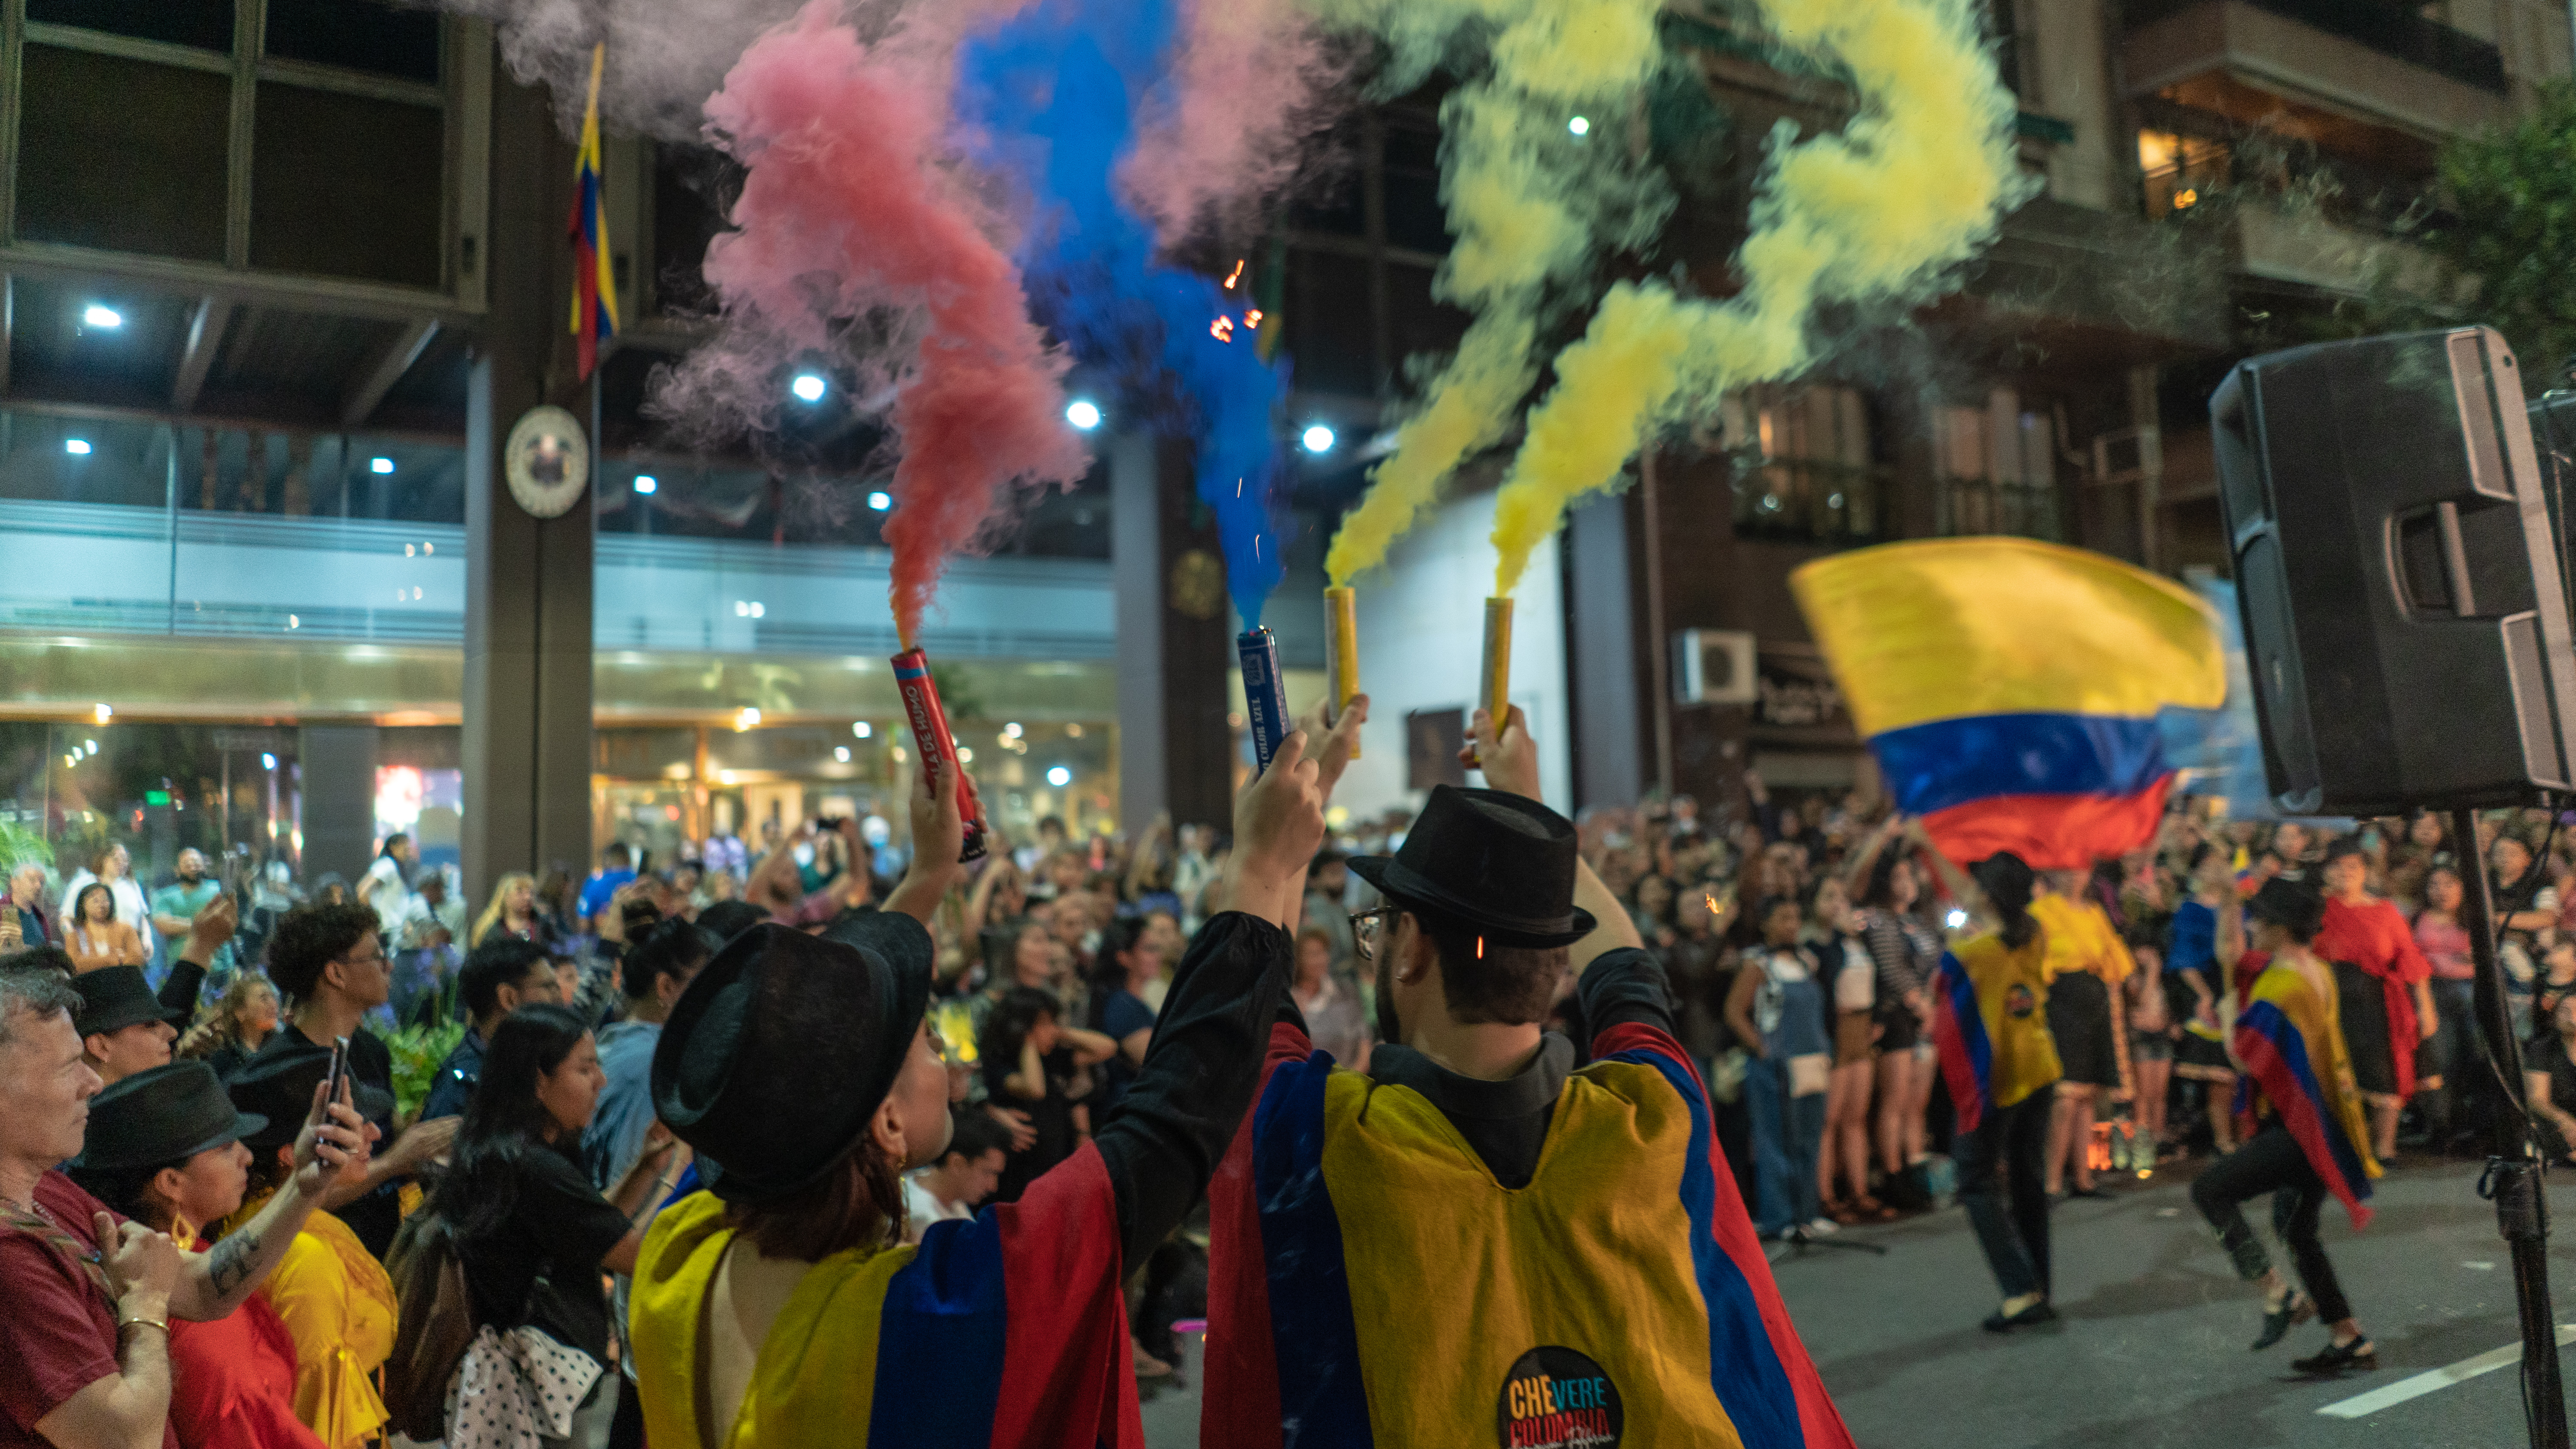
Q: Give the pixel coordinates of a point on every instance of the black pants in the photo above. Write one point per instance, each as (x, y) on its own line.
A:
(2009, 1144)
(2272, 1162)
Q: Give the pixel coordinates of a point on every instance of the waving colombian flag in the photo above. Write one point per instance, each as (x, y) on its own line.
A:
(2010, 688)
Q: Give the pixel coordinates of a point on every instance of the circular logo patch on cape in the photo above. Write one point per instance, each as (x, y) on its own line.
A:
(2020, 1001)
(1555, 1398)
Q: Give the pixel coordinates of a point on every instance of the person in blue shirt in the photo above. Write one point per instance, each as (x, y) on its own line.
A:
(616, 868)
(656, 970)
(501, 976)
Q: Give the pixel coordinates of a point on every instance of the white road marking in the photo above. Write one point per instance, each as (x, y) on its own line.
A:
(2480, 1264)
(2440, 1378)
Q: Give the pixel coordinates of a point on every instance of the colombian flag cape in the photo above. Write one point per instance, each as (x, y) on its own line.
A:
(1006, 1329)
(2010, 688)
(2291, 1044)
(1371, 1284)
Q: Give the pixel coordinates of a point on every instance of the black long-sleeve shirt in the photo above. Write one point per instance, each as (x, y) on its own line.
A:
(1201, 1068)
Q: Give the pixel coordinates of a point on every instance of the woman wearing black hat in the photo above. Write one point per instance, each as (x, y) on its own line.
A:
(2314, 1138)
(782, 1309)
(164, 1149)
(336, 1300)
(532, 1233)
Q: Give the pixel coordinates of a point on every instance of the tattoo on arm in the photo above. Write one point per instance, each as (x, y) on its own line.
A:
(228, 1266)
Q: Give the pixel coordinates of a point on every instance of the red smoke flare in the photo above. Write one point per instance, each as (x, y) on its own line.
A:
(848, 209)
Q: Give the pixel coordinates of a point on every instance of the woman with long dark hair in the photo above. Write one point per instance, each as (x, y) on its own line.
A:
(164, 1149)
(1906, 952)
(532, 1233)
(1990, 1023)
(97, 938)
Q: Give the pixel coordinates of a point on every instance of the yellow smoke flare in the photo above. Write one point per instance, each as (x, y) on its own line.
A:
(1530, 202)
(1881, 212)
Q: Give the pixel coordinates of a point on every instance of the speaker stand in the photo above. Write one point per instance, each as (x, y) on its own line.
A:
(2512, 1178)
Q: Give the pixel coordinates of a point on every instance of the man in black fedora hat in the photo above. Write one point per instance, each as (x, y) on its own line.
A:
(124, 1028)
(804, 1074)
(1478, 1231)
(84, 1355)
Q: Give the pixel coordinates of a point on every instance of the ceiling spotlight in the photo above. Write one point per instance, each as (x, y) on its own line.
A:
(646, 483)
(1318, 439)
(881, 501)
(77, 447)
(747, 718)
(268, 762)
(862, 729)
(1580, 126)
(102, 713)
(841, 753)
(1083, 413)
(808, 387)
(1059, 776)
(100, 315)
(380, 465)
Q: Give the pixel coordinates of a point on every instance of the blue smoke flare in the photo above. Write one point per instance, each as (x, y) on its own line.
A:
(1054, 94)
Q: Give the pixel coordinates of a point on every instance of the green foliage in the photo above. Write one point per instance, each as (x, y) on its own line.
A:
(19, 845)
(2511, 193)
(417, 1052)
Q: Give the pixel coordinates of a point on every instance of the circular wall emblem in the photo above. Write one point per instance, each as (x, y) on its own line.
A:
(1555, 1398)
(547, 461)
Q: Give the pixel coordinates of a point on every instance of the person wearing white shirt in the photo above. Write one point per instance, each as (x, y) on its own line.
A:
(383, 890)
(964, 1175)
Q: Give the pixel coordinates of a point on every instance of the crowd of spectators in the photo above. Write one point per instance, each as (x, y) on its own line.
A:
(1799, 938)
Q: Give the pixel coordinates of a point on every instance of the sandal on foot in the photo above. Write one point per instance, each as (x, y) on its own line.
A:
(2295, 1309)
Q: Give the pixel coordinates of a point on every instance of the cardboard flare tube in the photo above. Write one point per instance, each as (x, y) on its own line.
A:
(1265, 694)
(930, 735)
(1341, 655)
(1496, 676)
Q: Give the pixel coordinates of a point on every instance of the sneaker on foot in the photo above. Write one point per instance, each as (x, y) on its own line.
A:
(1823, 1228)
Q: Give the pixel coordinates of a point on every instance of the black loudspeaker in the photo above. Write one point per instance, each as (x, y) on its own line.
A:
(2405, 618)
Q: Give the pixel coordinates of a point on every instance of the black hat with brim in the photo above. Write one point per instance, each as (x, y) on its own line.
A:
(116, 997)
(278, 1084)
(784, 1046)
(1502, 865)
(168, 1114)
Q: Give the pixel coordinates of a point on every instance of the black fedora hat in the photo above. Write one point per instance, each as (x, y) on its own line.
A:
(784, 1046)
(1498, 863)
(116, 997)
(278, 1084)
(168, 1114)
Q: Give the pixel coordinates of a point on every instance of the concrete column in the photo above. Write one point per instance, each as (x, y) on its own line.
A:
(1136, 562)
(1601, 656)
(339, 779)
(527, 744)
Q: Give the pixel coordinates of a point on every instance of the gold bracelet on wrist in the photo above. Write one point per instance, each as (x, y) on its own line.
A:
(139, 1321)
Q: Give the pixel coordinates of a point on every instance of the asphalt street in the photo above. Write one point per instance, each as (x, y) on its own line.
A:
(2151, 1350)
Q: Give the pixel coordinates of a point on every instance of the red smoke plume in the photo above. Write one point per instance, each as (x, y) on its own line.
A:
(849, 210)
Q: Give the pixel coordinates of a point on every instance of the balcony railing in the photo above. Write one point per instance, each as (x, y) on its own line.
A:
(2386, 26)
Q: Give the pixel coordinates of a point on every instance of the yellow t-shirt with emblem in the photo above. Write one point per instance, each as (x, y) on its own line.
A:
(2012, 1000)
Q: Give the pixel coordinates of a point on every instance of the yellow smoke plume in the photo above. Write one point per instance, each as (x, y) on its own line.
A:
(1529, 202)
(1880, 212)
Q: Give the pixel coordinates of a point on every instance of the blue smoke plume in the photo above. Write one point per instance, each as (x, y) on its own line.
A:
(1055, 92)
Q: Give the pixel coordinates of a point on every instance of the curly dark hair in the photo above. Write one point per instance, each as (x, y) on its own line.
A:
(310, 937)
